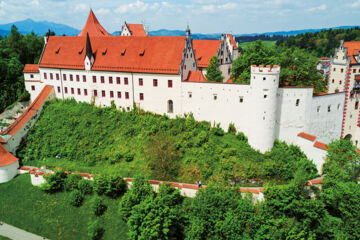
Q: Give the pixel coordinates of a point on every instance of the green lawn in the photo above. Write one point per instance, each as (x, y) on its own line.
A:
(266, 43)
(50, 215)
(4, 238)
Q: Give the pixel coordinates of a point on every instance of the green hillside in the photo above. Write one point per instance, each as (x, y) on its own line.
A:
(78, 136)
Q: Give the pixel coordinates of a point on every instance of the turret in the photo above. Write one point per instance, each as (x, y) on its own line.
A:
(89, 56)
(263, 91)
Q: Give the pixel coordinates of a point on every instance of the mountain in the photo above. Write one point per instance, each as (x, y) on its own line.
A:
(40, 28)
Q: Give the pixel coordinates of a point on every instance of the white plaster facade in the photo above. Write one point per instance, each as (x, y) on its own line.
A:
(8, 172)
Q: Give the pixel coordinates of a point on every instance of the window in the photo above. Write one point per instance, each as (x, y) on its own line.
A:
(102, 79)
(111, 94)
(342, 70)
(71, 77)
(45, 76)
(94, 79)
(31, 75)
(170, 84)
(51, 76)
(297, 102)
(85, 92)
(103, 93)
(58, 89)
(334, 69)
(117, 80)
(110, 80)
(119, 94)
(215, 96)
(354, 70)
(57, 76)
(95, 93)
(77, 78)
(141, 82)
(340, 82)
(64, 77)
(265, 96)
(264, 78)
(65, 89)
(126, 95)
(155, 82)
(79, 91)
(190, 94)
(241, 99)
(329, 108)
(338, 107)
(356, 104)
(141, 96)
(84, 78)
(333, 81)
(72, 90)
(318, 109)
(126, 81)
(32, 88)
(170, 106)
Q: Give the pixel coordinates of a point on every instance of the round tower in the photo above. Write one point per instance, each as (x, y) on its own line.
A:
(263, 105)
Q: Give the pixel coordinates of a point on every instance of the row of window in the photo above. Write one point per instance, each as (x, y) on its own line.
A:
(102, 79)
(103, 93)
(342, 70)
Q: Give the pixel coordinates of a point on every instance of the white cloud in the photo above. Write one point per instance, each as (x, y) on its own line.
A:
(102, 11)
(356, 4)
(81, 7)
(137, 7)
(214, 8)
(318, 8)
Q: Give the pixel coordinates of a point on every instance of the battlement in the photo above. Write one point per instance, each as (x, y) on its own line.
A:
(265, 70)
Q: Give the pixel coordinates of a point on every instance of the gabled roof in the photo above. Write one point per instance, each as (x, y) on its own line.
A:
(195, 76)
(93, 27)
(114, 53)
(353, 48)
(6, 158)
(31, 68)
(204, 50)
(232, 41)
(136, 29)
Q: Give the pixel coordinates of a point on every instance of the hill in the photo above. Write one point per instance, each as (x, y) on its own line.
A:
(40, 28)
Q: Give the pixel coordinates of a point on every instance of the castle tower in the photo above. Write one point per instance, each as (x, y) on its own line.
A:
(263, 91)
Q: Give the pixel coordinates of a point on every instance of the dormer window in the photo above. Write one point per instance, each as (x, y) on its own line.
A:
(141, 52)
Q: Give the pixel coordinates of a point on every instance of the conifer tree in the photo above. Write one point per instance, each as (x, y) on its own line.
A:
(213, 74)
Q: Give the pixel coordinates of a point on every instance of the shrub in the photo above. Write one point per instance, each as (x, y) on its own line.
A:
(241, 137)
(54, 182)
(201, 138)
(98, 206)
(95, 230)
(85, 186)
(232, 129)
(218, 131)
(25, 96)
(76, 198)
(71, 183)
(111, 186)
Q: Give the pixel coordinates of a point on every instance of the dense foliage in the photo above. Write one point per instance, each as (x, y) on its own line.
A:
(298, 67)
(99, 140)
(321, 44)
(15, 51)
(213, 73)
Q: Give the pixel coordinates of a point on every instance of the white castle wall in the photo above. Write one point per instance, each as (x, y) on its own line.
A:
(8, 172)
(317, 155)
(33, 84)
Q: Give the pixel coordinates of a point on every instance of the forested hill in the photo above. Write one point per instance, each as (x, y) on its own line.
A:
(323, 43)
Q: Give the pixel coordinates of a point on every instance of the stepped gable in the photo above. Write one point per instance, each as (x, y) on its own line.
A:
(196, 76)
(232, 41)
(122, 54)
(204, 50)
(136, 29)
(6, 158)
(353, 49)
(93, 27)
(31, 68)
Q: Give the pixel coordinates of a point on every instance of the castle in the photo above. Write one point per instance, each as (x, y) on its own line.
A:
(165, 75)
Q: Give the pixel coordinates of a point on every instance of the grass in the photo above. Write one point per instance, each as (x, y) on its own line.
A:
(266, 43)
(4, 238)
(50, 215)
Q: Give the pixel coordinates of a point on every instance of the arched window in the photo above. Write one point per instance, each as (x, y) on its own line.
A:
(170, 106)
(348, 137)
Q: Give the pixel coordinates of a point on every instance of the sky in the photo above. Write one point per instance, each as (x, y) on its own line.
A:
(203, 16)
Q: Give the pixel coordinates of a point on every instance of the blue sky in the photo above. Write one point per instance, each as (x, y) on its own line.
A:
(204, 16)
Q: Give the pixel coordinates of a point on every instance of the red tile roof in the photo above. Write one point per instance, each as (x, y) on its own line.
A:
(6, 158)
(136, 29)
(31, 68)
(325, 58)
(320, 145)
(307, 136)
(196, 76)
(314, 181)
(2, 140)
(353, 48)
(204, 50)
(232, 41)
(93, 27)
(28, 113)
(114, 53)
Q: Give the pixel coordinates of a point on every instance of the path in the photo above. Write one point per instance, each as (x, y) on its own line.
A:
(15, 233)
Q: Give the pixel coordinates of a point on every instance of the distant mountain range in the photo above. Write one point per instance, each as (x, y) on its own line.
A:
(40, 28)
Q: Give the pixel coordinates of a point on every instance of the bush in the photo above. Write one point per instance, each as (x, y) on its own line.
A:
(98, 206)
(76, 198)
(85, 186)
(111, 186)
(95, 230)
(218, 131)
(232, 129)
(25, 96)
(241, 137)
(71, 183)
(54, 182)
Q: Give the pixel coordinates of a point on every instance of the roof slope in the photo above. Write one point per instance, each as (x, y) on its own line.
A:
(353, 49)
(196, 76)
(204, 50)
(31, 68)
(232, 41)
(6, 158)
(136, 29)
(93, 27)
(114, 53)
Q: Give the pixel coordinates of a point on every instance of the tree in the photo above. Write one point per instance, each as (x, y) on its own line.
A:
(72, 181)
(54, 182)
(76, 198)
(95, 229)
(98, 206)
(162, 157)
(213, 74)
(110, 185)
